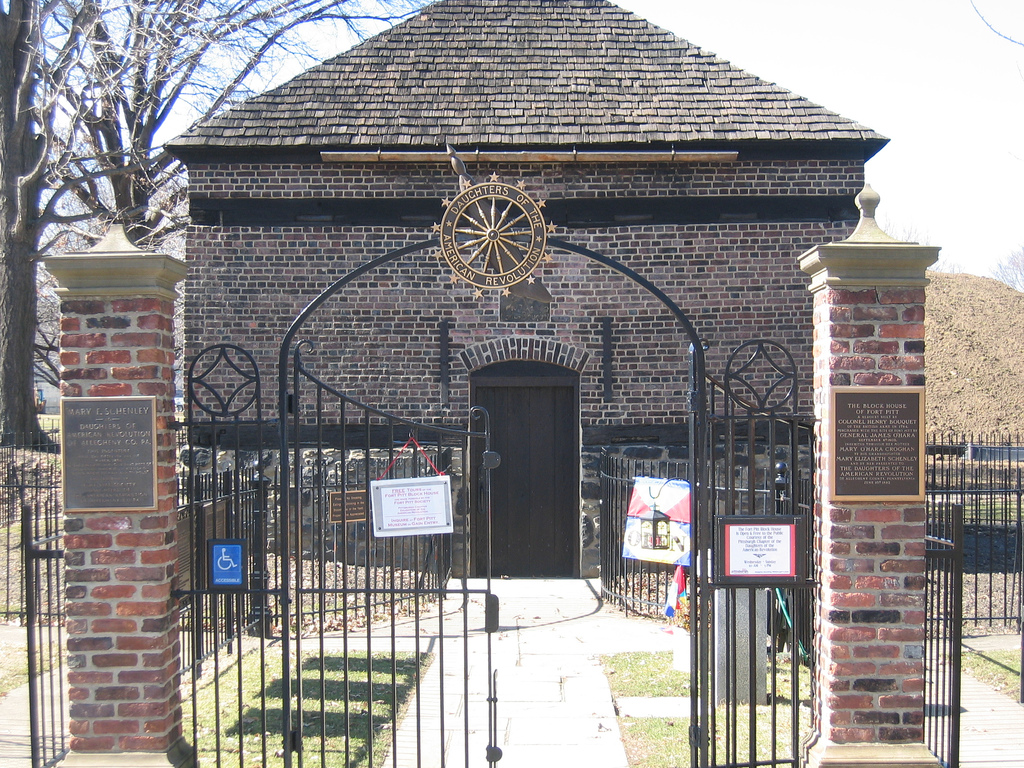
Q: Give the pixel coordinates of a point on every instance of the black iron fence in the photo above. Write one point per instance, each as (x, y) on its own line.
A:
(984, 475)
(980, 475)
(943, 605)
(29, 490)
(32, 575)
(226, 483)
(641, 586)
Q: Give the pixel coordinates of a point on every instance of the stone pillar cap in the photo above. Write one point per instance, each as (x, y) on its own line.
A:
(869, 257)
(115, 266)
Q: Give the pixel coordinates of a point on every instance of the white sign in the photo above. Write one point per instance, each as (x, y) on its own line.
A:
(760, 549)
(411, 506)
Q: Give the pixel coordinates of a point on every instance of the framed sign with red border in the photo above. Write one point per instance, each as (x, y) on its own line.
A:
(760, 550)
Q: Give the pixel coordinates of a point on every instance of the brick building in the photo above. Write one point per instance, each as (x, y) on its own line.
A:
(700, 177)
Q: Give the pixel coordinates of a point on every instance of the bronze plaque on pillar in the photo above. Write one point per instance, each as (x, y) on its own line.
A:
(877, 444)
(109, 452)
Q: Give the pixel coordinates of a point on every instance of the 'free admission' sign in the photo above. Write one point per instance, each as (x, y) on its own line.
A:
(411, 506)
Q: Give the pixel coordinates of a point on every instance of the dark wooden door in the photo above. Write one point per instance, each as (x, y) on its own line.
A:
(535, 492)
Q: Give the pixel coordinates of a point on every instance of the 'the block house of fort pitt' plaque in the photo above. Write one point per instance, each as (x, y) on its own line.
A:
(109, 452)
(877, 437)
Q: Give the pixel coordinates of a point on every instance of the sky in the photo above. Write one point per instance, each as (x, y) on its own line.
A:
(945, 89)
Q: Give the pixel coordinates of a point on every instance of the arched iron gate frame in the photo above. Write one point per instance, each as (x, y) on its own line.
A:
(697, 409)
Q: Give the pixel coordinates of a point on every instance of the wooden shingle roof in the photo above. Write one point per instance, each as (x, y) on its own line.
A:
(522, 73)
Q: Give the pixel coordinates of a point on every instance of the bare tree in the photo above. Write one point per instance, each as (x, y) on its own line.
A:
(86, 87)
(46, 366)
(22, 172)
(1010, 270)
(908, 232)
(991, 27)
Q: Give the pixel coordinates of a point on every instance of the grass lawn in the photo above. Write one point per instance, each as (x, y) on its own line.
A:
(645, 674)
(1000, 669)
(655, 742)
(13, 668)
(663, 742)
(652, 742)
(344, 713)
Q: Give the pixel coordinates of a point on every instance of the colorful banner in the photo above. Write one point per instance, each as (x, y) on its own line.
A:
(672, 498)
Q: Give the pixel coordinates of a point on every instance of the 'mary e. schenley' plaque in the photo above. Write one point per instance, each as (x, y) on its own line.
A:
(109, 451)
(877, 444)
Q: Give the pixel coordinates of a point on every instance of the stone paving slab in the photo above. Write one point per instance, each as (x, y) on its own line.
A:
(553, 697)
(991, 727)
(992, 642)
(15, 749)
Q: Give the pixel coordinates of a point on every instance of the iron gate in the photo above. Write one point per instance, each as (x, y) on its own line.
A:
(342, 647)
(943, 627)
(751, 662)
(751, 459)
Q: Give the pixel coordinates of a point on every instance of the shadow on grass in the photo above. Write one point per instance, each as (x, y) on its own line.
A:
(349, 708)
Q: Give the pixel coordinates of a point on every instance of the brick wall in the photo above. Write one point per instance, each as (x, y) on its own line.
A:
(117, 347)
(870, 552)
(293, 179)
(378, 340)
(872, 555)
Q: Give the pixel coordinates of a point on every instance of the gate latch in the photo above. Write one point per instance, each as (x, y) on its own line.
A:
(490, 460)
(491, 612)
(695, 736)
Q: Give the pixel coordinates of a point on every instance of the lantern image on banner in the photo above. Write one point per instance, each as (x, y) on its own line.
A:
(658, 521)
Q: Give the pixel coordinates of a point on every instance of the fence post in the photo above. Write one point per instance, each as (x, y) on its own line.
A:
(117, 313)
(868, 331)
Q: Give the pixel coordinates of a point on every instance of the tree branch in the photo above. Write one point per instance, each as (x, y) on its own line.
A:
(989, 25)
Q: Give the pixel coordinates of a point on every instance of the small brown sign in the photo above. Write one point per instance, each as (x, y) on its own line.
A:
(109, 453)
(877, 444)
(347, 506)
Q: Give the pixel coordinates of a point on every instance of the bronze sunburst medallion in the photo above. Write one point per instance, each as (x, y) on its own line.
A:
(493, 235)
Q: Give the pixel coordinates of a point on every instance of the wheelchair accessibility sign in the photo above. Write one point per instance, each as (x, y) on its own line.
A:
(227, 563)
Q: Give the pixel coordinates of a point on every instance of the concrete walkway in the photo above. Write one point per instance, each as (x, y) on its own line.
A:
(14, 724)
(555, 706)
(554, 703)
(991, 723)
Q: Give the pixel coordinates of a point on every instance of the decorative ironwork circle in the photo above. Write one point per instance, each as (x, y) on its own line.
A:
(223, 381)
(761, 376)
(493, 235)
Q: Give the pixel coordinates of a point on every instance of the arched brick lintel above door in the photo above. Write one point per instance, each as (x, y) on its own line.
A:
(534, 348)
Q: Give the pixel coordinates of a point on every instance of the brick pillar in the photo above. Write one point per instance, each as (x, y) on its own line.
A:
(117, 309)
(868, 331)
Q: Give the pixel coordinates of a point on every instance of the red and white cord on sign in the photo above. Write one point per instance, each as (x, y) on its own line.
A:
(402, 450)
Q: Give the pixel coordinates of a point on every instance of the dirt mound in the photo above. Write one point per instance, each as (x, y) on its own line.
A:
(974, 355)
